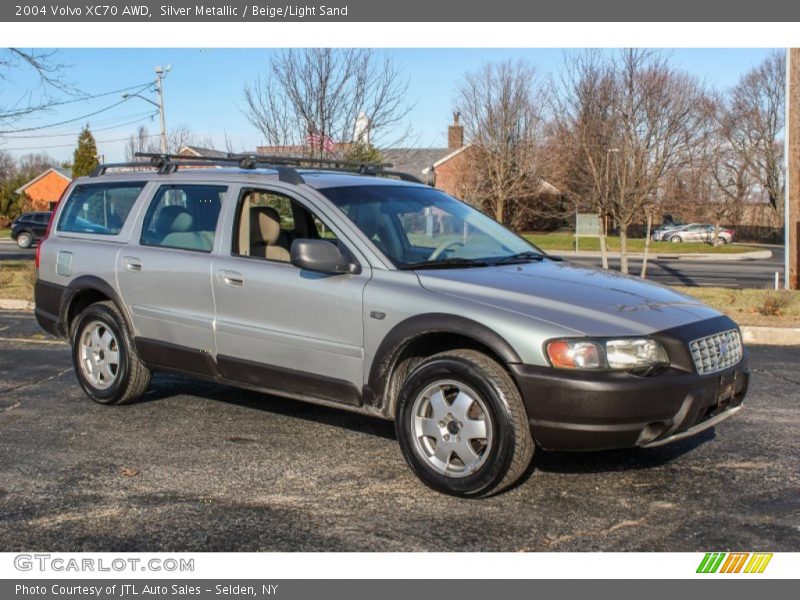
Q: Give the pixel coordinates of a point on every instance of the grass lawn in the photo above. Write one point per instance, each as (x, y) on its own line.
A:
(765, 307)
(5, 233)
(16, 279)
(566, 242)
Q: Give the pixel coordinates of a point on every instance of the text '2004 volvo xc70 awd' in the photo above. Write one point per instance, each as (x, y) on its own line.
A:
(355, 287)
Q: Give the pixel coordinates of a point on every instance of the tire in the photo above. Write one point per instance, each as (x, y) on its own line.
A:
(107, 380)
(676, 239)
(24, 240)
(491, 409)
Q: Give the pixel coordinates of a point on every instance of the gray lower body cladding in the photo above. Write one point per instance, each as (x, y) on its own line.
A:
(619, 410)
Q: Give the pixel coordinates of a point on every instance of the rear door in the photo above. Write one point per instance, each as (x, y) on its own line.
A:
(280, 327)
(165, 276)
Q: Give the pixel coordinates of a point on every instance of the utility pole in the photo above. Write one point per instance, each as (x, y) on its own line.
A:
(161, 73)
(792, 212)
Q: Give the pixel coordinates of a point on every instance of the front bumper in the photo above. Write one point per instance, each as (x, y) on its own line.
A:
(598, 411)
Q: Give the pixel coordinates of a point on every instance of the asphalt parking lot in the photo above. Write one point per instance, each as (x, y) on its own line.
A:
(200, 467)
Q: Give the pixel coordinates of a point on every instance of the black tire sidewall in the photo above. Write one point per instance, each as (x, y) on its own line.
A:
(502, 448)
(104, 314)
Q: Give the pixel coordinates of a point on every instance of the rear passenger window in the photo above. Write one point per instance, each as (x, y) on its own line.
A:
(99, 208)
(183, 217)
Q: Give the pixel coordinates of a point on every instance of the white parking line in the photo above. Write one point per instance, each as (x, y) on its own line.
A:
(30, 341)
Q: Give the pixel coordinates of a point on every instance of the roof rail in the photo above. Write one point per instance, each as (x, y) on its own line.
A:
(101, 169)
(285, 166)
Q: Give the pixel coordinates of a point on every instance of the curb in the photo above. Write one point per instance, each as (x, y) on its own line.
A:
(7, 304)
(754, 255)
(771, 336)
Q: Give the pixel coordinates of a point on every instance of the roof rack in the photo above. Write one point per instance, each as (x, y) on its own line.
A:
(284, 165)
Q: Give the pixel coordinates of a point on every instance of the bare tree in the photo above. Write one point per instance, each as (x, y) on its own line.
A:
(500, 105)
(8, 166)
(731, 168)
(16, 103)
(584, 101)
(35, 163)
(312, 99)
(177, 138)
(633, 120)
(141, 141)
(660, 116)
(756, 123)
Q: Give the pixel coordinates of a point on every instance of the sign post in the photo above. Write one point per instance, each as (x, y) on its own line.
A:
(586, 224)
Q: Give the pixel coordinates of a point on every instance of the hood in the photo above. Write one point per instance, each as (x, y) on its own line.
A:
(591, 302)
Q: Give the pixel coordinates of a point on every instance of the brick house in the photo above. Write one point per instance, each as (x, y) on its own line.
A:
(44, 191)
(437, 166)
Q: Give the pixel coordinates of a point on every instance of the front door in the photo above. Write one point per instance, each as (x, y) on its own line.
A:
(280, 327)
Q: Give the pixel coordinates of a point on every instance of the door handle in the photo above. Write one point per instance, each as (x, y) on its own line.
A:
(132, 264)
(232, 278)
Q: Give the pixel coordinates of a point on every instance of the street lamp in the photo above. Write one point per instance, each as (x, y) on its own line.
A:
(160, 74)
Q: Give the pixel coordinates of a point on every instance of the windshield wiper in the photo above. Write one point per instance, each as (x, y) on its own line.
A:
(447, 263)
(519, 256)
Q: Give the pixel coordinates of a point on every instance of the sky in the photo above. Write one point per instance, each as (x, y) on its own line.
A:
(203, 91)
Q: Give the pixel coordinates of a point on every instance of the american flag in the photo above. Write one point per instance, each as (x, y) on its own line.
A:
(315, 140)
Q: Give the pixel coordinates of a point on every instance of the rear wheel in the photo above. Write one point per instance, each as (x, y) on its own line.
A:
(24, 240)
(462, 426)
(104, 356)
(676, 239)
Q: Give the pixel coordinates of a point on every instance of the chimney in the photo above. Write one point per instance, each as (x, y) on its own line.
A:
(455, 133)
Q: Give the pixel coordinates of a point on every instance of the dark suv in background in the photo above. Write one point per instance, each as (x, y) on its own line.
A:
(29, 228)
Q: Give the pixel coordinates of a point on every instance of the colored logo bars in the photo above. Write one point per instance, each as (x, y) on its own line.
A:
(734, 562)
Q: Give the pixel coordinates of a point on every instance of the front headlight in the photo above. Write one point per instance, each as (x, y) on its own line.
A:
(628, 354)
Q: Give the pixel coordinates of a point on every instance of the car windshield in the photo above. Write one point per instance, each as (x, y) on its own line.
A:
(421, 227)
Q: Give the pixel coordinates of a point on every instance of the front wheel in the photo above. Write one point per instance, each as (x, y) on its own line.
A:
(462, 426)
(676, 239)
(104, 356)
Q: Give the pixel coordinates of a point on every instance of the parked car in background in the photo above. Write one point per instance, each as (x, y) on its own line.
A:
(660, 232)
(699, 232)
(29, 228)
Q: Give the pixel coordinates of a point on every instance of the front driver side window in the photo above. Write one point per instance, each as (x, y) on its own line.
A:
(268, 222)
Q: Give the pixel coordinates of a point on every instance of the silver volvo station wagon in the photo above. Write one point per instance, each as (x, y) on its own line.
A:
(356, 287)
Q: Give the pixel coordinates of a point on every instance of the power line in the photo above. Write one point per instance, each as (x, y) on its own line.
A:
(124, 139)
(139, 87)
(82, 117)
(139, 117)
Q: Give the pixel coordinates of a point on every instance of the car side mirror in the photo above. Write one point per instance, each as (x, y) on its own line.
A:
(321, 256)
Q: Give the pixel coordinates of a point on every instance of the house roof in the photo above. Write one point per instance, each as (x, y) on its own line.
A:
(66, 174)
(200, 151)
(415, 161)
(444, 159)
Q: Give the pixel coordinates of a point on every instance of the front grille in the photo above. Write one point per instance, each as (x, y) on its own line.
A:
(717, 352)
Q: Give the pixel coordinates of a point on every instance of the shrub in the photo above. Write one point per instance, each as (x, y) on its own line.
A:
(774, 302)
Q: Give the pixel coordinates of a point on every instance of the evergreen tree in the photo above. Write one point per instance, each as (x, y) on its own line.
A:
(363, 152)
(84, 159)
